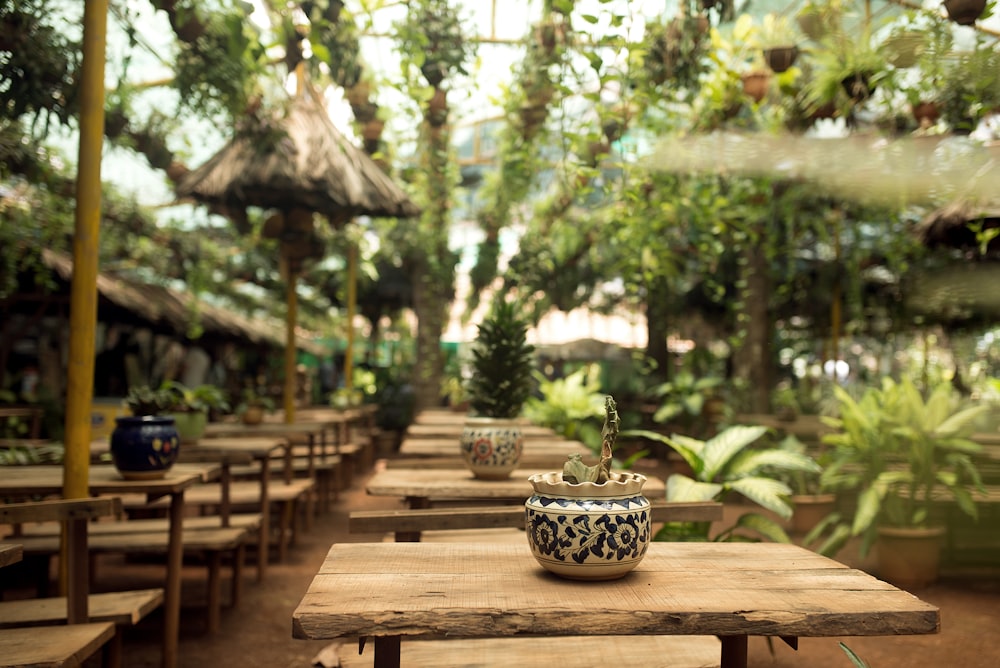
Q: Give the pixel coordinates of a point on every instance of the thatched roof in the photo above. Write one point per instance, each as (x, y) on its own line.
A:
(302, 162)
(948, 226)
(167, 309)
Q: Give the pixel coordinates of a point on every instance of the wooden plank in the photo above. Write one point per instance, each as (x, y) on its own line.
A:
(151, 542)
(448, 519)
(120, 608)
(53, 646)
(10, 553)
(60, 509)
(578, 652)
(154, 525)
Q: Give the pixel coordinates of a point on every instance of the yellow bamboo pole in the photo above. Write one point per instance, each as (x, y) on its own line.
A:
(292, 298)
(86, 231)
(352, 301)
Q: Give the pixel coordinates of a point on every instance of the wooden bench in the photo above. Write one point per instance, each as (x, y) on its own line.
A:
(408, 524)
(326, 472)
(542, 652)
(245, 495)
(213, 543)
(27, 636)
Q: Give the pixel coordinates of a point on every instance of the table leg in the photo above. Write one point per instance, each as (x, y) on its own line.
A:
(387, 652)
(413, 503)
(734, 651)
(172, 589)
(264, 541)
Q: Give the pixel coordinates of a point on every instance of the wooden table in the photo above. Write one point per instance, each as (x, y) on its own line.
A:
(446, 430)
(732, 590)
(28, 481)
(541, 453)
(230, 451)
(10, 553)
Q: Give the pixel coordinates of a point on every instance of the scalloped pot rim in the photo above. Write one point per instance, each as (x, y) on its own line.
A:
(622, 483)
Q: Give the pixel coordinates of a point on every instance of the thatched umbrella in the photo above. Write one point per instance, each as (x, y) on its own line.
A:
(298, 164)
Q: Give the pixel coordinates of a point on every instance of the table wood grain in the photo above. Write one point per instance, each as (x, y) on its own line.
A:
(469, 590)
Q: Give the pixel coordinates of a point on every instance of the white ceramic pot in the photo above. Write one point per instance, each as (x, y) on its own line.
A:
(588, 531)
(491, 447)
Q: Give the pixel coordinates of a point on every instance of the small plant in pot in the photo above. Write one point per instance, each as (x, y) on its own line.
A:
(254, 406)
(811, 499)
(192, 406)
(144, 445)
(500, 383)
(589, 522)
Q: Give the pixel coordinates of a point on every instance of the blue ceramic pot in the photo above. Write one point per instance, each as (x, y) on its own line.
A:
(144, 447)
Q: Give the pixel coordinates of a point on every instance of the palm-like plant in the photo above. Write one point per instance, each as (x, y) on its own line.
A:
(725, 464)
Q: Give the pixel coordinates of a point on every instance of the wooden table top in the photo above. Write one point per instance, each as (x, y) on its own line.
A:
(238, 429)
(459, 483)
(237, 449)
(497, 590)
(104, 479)
(448, 430)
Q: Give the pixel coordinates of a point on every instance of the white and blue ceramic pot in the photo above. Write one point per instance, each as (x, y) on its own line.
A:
(588, 531)
(144, 447)
(491, 447)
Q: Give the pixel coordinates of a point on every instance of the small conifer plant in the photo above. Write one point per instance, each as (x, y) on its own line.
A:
(502, 362)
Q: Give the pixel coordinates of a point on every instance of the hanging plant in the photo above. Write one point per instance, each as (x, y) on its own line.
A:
(964, 12)
(431, 37)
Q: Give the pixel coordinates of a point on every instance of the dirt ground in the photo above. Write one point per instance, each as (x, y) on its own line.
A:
(258, 631)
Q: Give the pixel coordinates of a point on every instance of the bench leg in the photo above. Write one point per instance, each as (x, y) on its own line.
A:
(214, 603)
(239, 557)
(111, 656)
(284, 529)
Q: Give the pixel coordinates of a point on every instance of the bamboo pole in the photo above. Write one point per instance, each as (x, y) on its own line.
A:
(86, 232)
(352, 301)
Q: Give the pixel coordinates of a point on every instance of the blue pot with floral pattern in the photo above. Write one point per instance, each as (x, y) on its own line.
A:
(144, 447)
(491, 447)
(588, 531)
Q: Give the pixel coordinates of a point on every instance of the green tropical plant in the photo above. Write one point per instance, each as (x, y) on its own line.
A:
(145, 400)
(898, 454)
(568, 405)
(726, 464)
(802, 481)
(252, 397)
(844, 70)
(685, 395)
(201, 398)
(502, 362)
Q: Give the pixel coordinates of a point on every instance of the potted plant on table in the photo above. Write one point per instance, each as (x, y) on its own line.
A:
(500, 383)
(191, 407)
(811, 500)
(254, 406)
(144, 445)
(900, 456)
(589, 522)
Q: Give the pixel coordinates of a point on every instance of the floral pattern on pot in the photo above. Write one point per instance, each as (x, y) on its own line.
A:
(491, 448)
(592, 532)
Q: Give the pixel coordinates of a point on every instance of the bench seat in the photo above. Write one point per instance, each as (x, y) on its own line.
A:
(124, 608)
(543, 652)
(53, 646)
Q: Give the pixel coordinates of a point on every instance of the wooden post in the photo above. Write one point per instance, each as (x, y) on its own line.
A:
(291, 297)
(83, 292)
(352, 299)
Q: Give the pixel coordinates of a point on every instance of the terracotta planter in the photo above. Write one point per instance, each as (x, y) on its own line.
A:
(253, 415)
(491, 447)
(926, 113)
(755, 85)
(588, 531)
(909, 558)
(144, 447)
(810, 509)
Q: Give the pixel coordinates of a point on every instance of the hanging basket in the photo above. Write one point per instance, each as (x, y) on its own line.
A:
(964, 12)
(780, 58)
(755, 85)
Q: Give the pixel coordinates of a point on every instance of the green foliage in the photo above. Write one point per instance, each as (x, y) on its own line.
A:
(432, 39)
(253, 397)
(568, 405)
(684, 396)
(899, 454)
(25, 455)
(145, 400)
(502, 362)
(723, 465)
(201, 398)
